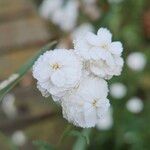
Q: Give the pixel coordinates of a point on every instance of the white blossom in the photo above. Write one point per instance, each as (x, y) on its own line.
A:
(18, 138)
(102, 55)
(48, 7)
(57, 71)
(135, 105)
(118, 90)
(64, 14)
(136, 61)
(8, 106)
(87, 103)
(106, 122)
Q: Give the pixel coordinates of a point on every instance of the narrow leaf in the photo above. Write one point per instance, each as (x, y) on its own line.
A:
(8, 84)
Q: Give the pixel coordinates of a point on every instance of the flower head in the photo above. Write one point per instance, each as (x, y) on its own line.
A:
(136, 61)
(59, 13)
(87, 103)
(57, 71)
(135, 105)
(118, 90)
(102, 55)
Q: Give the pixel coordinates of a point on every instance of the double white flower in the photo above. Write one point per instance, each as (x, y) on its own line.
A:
(74, 77)
(87, 103)
(101, 54)
(57, 71)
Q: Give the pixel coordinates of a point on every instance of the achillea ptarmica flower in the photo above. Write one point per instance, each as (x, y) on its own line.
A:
(57, 71)
(87, 103)
(58, 11)
(118, 90)
(135, 105)
(103, 55)
(75, 78)
(136, 61)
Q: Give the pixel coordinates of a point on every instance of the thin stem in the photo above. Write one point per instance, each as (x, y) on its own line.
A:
(64, 134)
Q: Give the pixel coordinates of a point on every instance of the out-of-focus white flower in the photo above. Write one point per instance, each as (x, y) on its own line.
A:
(136, 61)
(135, 105)
(106, 122)
(8, 106)
(57, 71)
(18, 138)
(118, 90)
(103, 54)
(82, 30)
(66, 17)
(87, 103)
(59, 13)
(48, 7)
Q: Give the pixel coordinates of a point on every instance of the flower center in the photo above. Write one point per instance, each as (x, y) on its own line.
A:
(104, 46)
(94, 103)
(55, 66)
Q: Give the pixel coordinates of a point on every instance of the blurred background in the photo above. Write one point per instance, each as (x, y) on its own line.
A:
(27, 25)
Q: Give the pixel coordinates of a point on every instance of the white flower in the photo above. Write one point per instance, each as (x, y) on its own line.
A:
(48, 7)
(118, 90)
(57, 71)
(19, 138)
(98, 46)
(136, 61)
(66, 16)
(8, 106)
(87, 103)
(135, 105)
(58, 11)
(106, 122)
(102, 55)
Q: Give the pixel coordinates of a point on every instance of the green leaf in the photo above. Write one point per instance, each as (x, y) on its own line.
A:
(8, 84)
(83, 140)
(42, 145)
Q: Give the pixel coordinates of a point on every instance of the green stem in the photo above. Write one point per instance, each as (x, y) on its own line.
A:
(64, 134)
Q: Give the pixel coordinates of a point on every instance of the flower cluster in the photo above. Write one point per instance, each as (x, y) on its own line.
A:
(58, 11)
(76, 78)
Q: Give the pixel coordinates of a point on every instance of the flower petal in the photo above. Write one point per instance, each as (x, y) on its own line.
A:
(104, 35)
(116, 48)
